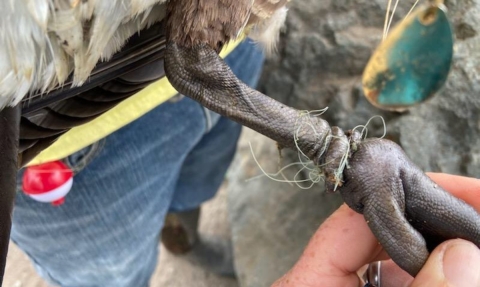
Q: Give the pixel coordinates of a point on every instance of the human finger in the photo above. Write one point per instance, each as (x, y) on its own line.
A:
(465, 188)
(452, 263)
(341, 246)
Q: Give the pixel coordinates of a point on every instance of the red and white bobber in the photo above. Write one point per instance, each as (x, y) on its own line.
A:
(48, 182)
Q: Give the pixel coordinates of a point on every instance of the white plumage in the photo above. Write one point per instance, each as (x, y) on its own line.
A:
(266, 33)
(43, 41)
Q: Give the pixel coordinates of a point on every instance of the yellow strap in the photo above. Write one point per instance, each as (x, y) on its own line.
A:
(124, 113)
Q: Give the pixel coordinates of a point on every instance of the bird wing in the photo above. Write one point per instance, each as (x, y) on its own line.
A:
(46, 117)
(42, 42)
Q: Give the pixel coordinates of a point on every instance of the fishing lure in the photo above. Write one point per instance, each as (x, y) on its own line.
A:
(413, 62)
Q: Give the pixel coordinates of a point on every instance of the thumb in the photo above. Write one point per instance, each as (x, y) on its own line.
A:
(453, 263)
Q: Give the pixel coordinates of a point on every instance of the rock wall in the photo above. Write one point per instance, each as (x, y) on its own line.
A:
(322, 54)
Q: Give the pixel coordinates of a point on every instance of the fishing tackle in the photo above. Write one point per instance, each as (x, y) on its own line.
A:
(413, 61)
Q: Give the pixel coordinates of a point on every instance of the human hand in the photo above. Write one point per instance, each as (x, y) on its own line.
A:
(344, 244)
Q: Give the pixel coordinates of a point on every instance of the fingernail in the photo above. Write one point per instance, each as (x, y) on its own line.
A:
(461, 263)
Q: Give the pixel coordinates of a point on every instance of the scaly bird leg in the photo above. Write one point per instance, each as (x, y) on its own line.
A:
(407, 212)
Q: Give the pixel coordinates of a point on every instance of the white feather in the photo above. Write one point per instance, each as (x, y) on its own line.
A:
(43, 41)
(23, 39)
(266, 33)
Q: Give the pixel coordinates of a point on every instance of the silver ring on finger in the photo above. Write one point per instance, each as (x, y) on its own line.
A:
(371, 277)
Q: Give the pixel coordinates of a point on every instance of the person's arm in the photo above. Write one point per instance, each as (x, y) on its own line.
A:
(344, 244)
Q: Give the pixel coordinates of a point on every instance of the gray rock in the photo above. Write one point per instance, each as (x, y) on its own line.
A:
(271, 221)
(322, 55)
(320, 59)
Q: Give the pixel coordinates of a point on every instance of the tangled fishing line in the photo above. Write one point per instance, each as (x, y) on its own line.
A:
(315, 173)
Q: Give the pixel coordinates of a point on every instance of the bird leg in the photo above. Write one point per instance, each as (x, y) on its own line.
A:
(406, 211)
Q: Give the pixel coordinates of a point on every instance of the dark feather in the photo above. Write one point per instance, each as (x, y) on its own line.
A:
(46, 118)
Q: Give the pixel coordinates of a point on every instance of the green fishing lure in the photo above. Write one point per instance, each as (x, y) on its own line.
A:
(413, 62)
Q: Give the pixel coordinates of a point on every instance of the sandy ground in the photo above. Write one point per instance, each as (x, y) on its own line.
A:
(171, 271)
